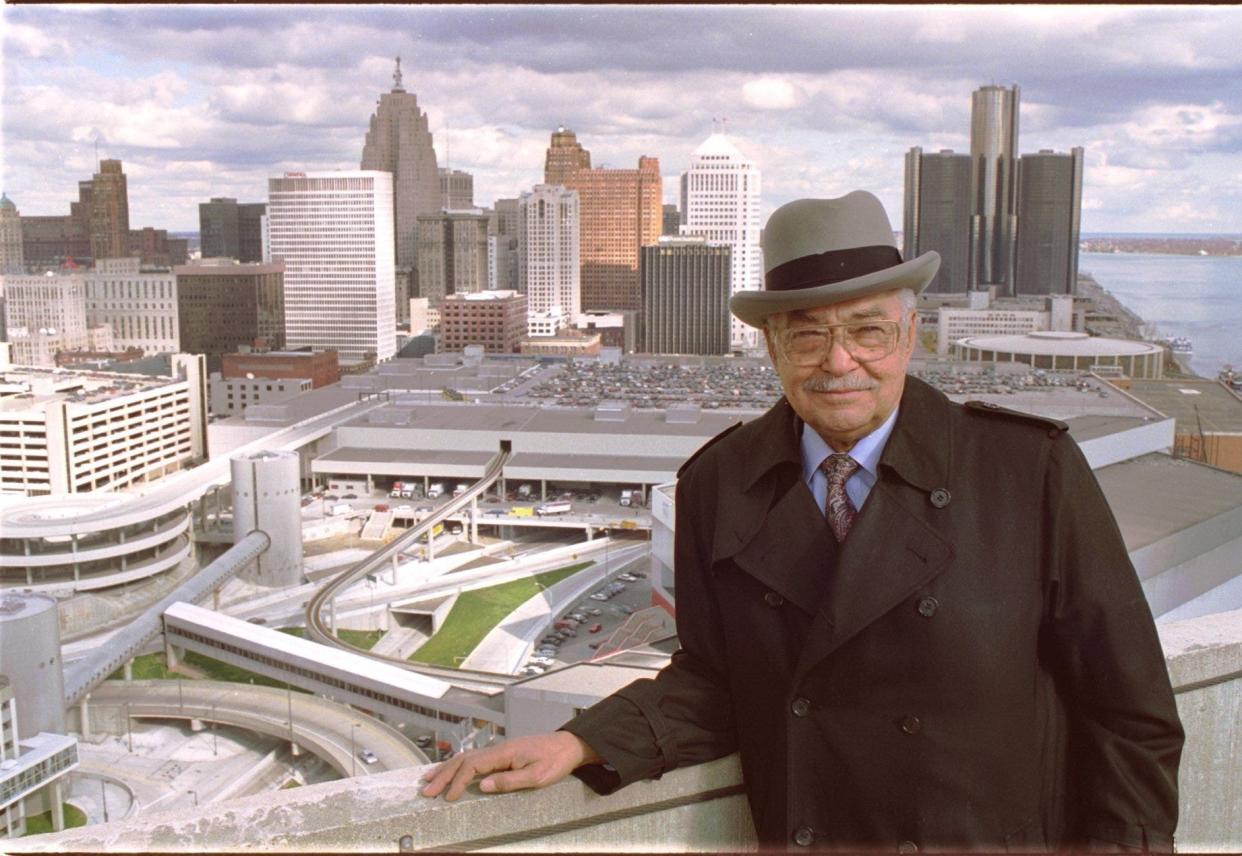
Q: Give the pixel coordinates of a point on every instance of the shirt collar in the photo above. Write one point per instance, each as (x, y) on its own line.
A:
(866, 452)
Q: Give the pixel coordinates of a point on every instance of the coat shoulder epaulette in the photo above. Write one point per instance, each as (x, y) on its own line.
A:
(713, 441)
(1054, 427)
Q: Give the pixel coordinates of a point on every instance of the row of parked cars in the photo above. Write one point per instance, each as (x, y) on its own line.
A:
(616, 587)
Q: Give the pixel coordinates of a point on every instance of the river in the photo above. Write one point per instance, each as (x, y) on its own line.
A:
(1199, 297)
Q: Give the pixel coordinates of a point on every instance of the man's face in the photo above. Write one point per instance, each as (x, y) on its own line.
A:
(841, 398)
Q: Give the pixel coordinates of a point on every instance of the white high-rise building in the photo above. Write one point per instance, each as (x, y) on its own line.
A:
(720, 202)
(334, 232)
(548, 255)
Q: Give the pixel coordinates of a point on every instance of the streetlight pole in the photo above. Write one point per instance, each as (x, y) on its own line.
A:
(353, 758)
(215, 743)
(129, 728)
(103, 794)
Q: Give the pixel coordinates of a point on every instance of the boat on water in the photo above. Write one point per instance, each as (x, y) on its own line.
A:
(1181, 345)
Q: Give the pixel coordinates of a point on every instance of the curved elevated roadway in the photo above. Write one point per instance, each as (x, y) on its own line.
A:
(329, 730)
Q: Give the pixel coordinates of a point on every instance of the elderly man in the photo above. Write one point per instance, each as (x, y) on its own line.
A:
(916, 621)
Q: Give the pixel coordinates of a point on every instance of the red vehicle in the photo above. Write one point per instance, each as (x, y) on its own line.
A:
(595, 628)
(381, 507)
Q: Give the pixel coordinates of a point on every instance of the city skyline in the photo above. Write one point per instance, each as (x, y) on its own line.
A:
(201, 103)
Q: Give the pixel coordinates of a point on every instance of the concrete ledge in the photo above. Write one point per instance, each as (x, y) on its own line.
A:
(699, 808)
(1203, 651)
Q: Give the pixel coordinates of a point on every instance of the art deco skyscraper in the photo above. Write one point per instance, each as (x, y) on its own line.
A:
(620, 211)
(1049, 217)
(109, 212)
(938, 216)
(399, 142)
(720, 202)
(993, 147)
(333, 231)
(564, 157)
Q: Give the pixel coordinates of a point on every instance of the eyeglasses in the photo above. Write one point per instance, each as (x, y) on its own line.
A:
(865, 341)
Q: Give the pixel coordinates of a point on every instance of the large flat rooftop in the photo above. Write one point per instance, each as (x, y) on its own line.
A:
(1205, 405)
(28, 388)
(1154, 496)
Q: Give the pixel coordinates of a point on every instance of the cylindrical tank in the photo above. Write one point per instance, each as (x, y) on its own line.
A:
(266, 496)
(30, 656)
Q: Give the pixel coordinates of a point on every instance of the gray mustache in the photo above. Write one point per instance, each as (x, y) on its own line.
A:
(826, 383)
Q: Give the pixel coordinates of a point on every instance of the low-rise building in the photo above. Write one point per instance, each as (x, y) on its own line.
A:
(566, 343)
(1064, 351)
(495, 320)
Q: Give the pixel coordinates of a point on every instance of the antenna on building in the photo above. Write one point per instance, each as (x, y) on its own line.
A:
(396, 77)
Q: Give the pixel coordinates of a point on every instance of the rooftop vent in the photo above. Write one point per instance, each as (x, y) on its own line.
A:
(683, 413)
(612, 411)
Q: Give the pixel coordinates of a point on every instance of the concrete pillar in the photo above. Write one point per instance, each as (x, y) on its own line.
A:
(474, 520)
(58, 806)
(85, 714)
(128, 670)
(370, 483)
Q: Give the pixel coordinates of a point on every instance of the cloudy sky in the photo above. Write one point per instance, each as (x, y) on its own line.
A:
(209, 101)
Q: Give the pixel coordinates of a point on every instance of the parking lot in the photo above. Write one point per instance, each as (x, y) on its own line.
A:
(579, 642)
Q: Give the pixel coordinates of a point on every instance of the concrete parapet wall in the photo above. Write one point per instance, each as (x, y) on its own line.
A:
(1204, 656)
(698, 809)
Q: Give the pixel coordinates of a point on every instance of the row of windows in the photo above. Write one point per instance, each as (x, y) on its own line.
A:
(29, 779)
(318, 676)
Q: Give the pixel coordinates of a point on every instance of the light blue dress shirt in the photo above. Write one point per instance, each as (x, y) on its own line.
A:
(866, 452)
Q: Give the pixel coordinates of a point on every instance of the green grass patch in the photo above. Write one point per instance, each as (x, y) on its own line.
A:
(364, 639)
(41, 823)
(147, 667)
(477, 612)
(290, 783)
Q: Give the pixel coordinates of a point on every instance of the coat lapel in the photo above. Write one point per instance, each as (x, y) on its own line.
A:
(889, 555)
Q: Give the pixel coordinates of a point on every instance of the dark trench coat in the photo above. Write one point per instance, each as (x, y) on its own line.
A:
(975, 667)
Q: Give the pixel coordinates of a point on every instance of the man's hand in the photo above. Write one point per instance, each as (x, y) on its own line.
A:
(535, 761)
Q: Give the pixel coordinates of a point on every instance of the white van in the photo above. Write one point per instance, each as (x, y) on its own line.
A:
(436, 490)
(549, 508)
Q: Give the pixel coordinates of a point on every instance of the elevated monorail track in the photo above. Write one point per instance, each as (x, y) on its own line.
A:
(320, 629)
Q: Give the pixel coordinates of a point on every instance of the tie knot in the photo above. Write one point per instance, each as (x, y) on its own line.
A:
(838, 468)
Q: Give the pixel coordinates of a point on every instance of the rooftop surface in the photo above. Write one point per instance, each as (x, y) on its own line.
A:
(1196, 404)
(1154, 496)
(28, 388)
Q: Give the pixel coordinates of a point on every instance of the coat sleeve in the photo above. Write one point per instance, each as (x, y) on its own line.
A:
(1125, 737)
(684, 715)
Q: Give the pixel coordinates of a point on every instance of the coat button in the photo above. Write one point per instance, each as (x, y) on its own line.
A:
(940, 497)
(911, 725)
(773, 599)
(804, 836)
(800, 707)
(907, 847)
(928, 606)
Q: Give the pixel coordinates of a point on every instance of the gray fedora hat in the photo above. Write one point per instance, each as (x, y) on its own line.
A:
(817, 252)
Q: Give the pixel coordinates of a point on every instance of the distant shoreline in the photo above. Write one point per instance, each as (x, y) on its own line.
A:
(1214, 245)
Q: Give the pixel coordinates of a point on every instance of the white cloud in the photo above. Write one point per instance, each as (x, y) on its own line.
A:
(772, 93)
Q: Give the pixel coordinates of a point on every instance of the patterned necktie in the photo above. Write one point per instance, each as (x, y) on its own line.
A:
(838, 509)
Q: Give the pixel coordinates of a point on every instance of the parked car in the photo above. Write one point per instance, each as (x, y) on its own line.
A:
(599, 595)
(381, 507)
(423, 741)
(628, 610)
(629, 578)
(367, 756)
(595, 628)
(595, 645)
(350, 496)
(595, 611)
